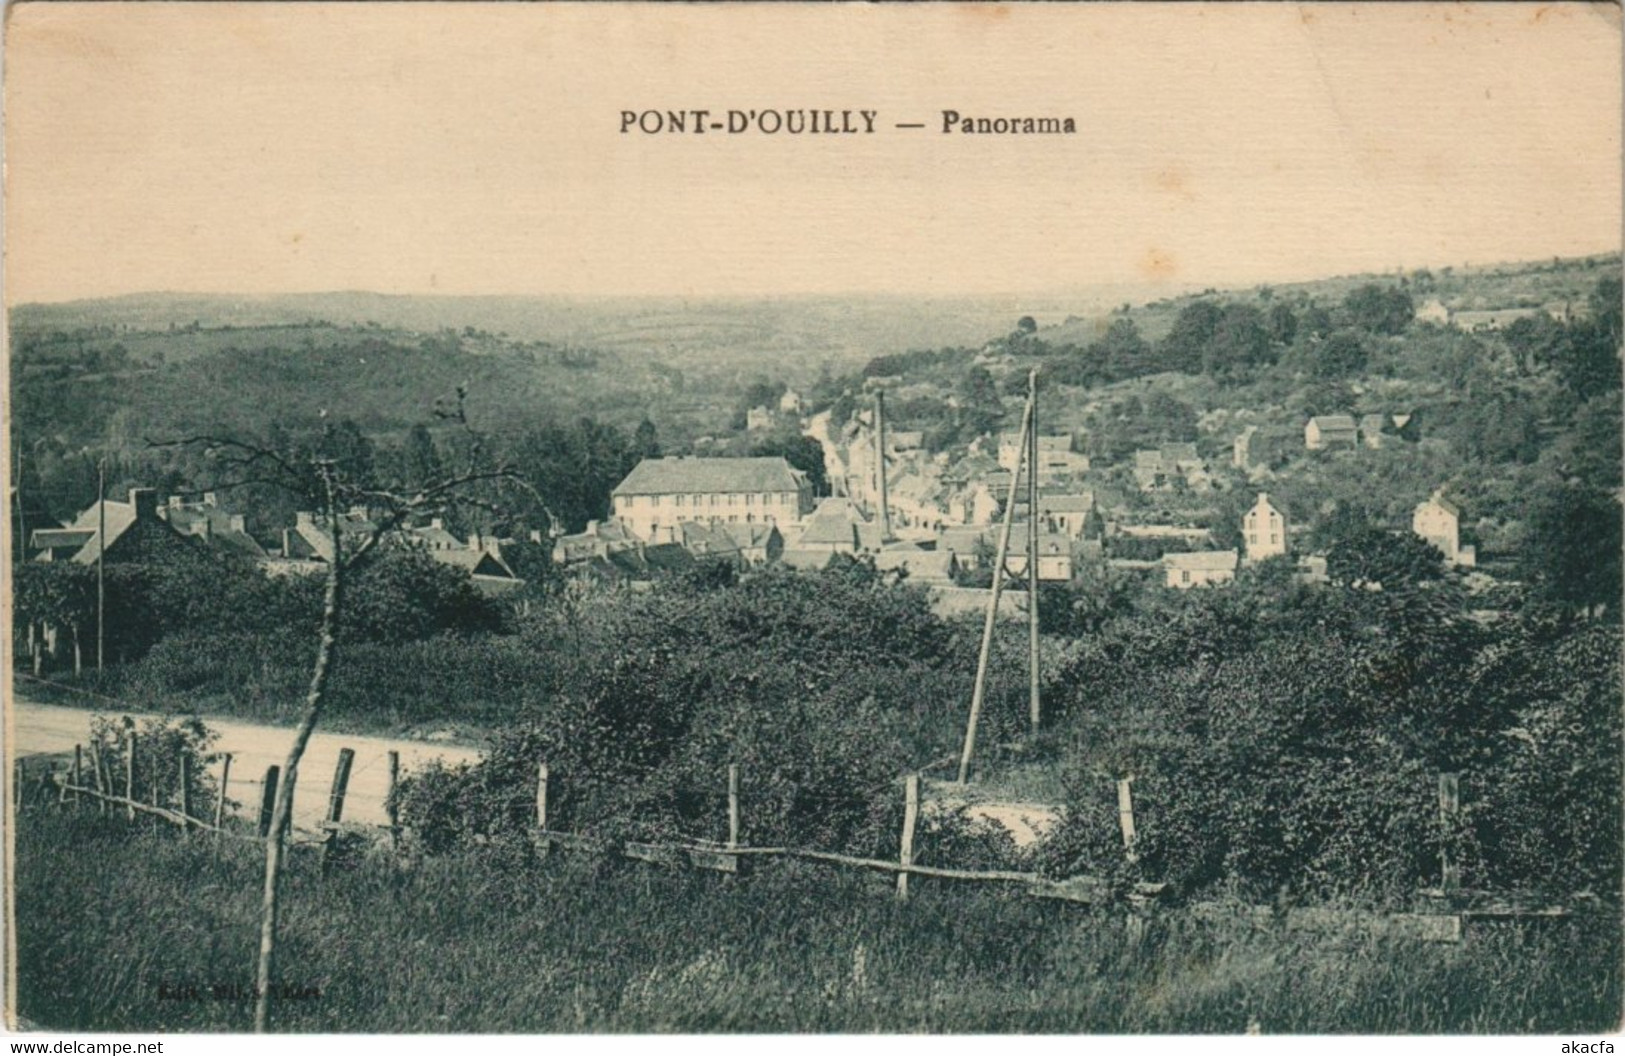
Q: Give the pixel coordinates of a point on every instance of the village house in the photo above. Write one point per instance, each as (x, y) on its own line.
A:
(1203, 568)
(1433, 312)
(928, 567)
(600, 539)
(1491, 319)
(1371, 430)
(1066, 513)
(758, 419)
(661, 493)
(838, 527)
(207, 520)
(974, 547)
(1437, 520)
(135, 532)
(1241, 449)
(1160, 469)
(1263, 530)
(1330, 430)
(790, 402)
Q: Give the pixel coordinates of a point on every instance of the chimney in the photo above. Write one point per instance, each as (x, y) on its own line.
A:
(209, 499)
(144, 501)
(437, 522)
(238, 523)
(173, 502)
(592, 527)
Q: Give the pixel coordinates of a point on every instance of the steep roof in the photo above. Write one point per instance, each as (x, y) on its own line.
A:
(1444, 504)
(687, 476)
(1080, 502)
(1325, 422)
(1202, 561)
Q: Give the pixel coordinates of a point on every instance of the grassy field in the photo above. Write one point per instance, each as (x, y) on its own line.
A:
(126, 928)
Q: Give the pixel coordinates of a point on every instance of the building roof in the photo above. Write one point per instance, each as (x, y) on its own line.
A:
(1079, 502)
(837, 522)
(688, 476)
(921, 564)
(1148, 459)
(1202, 561)
(1332, 422)
(701, 537)
(749, 536)
(56, 538)
(1180, 453)
(1055, 443)
(474, 562)
(1444, 504)
(807, 560)
(906, 439)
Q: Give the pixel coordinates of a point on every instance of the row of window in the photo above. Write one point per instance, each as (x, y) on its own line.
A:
(783, 498)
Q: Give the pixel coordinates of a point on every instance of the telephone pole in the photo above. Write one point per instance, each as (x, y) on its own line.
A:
(1032, 549)
(101, 556)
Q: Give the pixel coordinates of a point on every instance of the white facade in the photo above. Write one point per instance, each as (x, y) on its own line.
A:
(1263, 530)
(1438, 521)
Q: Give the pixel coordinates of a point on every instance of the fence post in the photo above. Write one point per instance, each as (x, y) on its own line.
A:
(392, 808)
(129, 775)
(18, 779)
(103, 781)
(335, 802)
(268, 799)
(186, 790)
(220, 803)
(733, 806)
(78, 764)
(911, 815)
(1449, 806)
(1125, 818)
(541, 797)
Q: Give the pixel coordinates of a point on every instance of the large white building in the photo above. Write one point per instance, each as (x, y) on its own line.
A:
(1263, 530)
(661, 493)
(1438, 521)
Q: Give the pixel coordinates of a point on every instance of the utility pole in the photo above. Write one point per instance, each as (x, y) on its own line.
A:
(880, 460)
(1032, 549)
(101, 556)
(993, 604)
(22, 529)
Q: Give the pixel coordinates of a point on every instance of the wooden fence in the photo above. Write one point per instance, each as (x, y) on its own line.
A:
(1451, 907)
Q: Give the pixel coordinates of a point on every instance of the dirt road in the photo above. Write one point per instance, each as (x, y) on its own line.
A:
(42, 729)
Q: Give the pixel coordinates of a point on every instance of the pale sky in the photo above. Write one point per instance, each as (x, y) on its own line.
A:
(475, 148)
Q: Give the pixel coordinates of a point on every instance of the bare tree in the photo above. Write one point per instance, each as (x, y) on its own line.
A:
(322, 474)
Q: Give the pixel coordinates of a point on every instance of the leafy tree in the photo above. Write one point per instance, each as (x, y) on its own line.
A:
(980, 409)
(1341, 354)
(1375, 559)
(1185, 347)
(1026, 325)
(1281, 323)
(1574, 558)
(1379, 310)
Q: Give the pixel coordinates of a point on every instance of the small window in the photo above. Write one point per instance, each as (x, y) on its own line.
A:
(1184, 577)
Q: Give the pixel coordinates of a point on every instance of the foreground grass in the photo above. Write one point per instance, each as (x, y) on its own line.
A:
(111, 919)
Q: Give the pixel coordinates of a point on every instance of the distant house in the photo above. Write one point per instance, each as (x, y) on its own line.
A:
(1371, 429)
(134, 532)
(482, 560)
(1433, 312)
(601, 539)
(758, 419)
(1241, 449)
(1150, 471)
(790, 402)
(1054, 549)
(903, 441)
(1437, 520)
(1263, 530)
(839, 527)
(433, 536)
(1330, 430)
(756, 543)
(661, 493)
(1492, 319)
(1204, 568)
(931, 567)
(207, 520)
(1066, 513)
(310, 539)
